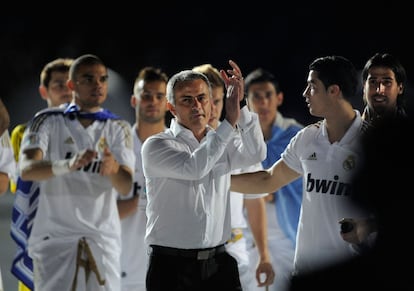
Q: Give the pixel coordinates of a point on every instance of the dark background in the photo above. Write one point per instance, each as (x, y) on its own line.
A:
(283, 37)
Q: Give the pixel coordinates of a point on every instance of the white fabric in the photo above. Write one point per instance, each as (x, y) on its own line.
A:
(7, 161)
(134, 257)
(188, 182)
(281, 250)
(79, 204)
(239, 249)
(327, 170)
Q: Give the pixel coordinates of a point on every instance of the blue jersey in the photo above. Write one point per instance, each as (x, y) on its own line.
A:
(288, 198)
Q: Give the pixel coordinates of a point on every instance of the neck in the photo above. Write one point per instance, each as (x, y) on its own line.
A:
(145, 130)
(338, 124)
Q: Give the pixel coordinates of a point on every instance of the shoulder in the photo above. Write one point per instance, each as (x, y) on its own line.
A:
(43, 115)
(288, 122)
(121, 123)
(158, 140)
(311, 129)
(50, 111)
(366, 126)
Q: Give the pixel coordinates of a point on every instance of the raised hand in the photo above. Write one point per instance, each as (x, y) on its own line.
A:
(234, 82)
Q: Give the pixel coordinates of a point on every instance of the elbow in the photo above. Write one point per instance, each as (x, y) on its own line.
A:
(126, 186)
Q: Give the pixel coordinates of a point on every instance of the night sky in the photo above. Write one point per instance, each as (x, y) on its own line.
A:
(179, 36)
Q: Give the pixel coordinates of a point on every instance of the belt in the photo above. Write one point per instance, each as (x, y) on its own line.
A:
(236, 234)
(199, 254)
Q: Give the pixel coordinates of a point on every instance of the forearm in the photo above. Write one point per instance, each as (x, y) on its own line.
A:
(253, 183)
(127, 207)
(256, 215)
(33, 168)
(122, 180)
(254, 146)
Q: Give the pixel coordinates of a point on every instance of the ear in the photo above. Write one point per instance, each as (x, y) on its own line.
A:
(70, 84)
(401, 89)
(133, 101)
(334, 89)
(171, 108)
(43, 92)
(280, 97)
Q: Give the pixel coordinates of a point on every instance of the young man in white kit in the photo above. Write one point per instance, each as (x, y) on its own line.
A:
(54, 91)
(150, 104)
(326, 154)
(79, 152)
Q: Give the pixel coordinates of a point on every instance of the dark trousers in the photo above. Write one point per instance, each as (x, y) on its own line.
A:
(178, 273)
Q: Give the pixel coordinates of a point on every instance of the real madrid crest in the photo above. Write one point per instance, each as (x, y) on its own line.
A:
(349, 163)
(102, 144)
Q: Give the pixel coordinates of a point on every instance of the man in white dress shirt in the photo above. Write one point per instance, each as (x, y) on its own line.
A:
(187, 171)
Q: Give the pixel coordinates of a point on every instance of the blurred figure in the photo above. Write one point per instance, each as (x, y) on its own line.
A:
(7, 162)
(7, 168)
(384, 80)
(326, 154)
(54, 91)
(79, 152)
(265, 96)
(150, 105)
(254, 204)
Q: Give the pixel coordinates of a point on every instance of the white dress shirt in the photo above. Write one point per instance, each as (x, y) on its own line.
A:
(188, 182)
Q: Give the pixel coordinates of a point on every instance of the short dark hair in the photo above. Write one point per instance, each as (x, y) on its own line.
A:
(57, 65)
(337, 70)
(83, 60)
(261, 75)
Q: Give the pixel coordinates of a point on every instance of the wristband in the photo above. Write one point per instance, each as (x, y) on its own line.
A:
(60, 167)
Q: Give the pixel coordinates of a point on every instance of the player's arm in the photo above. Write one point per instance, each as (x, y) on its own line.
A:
(120, 175)
(34, 168)
(127, 207)
(264, 181)
(256, 215)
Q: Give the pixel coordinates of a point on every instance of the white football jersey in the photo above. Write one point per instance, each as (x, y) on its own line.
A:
(327, 170)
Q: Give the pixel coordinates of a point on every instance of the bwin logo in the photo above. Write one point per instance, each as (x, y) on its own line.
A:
(328, 186)
(92, 167)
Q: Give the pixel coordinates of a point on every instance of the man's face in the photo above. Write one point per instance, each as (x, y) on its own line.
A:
(381, 90)
(192, 105)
